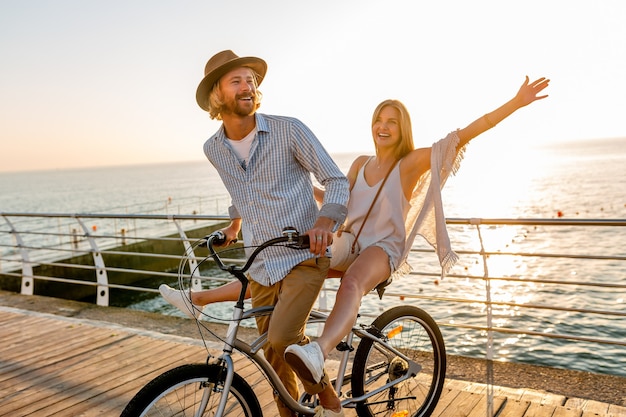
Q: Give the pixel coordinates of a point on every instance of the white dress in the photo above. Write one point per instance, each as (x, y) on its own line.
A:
(385, 225)
(395, 222)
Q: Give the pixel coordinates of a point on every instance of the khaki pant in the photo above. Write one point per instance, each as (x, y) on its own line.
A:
(293, 299)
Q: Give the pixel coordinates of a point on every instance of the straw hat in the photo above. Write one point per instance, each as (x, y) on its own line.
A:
(220, 64)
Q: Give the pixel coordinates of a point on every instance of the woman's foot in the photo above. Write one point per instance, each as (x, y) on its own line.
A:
(307, 361)
(180, 300)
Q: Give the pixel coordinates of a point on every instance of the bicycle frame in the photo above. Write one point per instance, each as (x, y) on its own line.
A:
(253, 352)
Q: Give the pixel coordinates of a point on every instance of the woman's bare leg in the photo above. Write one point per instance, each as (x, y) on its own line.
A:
(226, 292)
(369, 269)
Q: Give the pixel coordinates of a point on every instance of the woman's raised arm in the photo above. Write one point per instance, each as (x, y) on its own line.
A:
(527, 94)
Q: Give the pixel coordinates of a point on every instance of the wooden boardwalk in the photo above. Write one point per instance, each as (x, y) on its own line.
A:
(59, 366)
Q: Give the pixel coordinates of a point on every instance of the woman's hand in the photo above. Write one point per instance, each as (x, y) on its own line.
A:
(528, 91)
(527, 94)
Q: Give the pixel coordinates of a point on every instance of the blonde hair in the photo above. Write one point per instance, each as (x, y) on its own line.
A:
(405, 145)
(216, 105)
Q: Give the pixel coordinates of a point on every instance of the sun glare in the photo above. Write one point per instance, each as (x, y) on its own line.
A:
(492, 183)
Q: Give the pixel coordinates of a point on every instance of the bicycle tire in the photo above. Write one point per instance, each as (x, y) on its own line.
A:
(179, 391)
(413, 332)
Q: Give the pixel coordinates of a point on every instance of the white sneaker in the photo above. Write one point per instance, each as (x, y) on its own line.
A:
(324, 412)
(307, 361)
(180, 300)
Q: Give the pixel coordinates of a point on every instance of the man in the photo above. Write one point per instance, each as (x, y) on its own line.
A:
(266, 164)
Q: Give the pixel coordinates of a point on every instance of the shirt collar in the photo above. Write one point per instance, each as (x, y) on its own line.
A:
(261, 123)
(261, 126)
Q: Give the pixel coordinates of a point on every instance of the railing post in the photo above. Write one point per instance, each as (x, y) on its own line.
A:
(489, 353)
(28, 282)
(196, 284)
(102, 297)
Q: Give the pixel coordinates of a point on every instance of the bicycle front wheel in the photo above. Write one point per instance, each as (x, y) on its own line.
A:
(413, 332)
(193, 390)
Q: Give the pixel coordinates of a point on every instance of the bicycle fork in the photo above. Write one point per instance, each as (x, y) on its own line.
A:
(227, 364)
(228, 380)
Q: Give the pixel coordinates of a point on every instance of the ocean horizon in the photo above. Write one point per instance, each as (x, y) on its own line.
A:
(525, 174)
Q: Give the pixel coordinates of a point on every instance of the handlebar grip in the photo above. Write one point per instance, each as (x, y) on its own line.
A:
(304, 242)
(300, 242)
(218, 238)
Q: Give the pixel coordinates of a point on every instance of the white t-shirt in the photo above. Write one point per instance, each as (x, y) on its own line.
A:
(242, 147)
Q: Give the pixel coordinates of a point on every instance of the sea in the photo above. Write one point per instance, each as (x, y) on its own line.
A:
(582, 179)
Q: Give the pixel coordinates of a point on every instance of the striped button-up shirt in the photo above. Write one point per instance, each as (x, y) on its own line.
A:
(275, 189)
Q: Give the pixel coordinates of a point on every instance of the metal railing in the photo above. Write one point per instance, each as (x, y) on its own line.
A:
(558, 281)
(57, 240)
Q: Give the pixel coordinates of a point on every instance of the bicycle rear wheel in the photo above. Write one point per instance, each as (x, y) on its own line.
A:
(413, 332)
(182, 390)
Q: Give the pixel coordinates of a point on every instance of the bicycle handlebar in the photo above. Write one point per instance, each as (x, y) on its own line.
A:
(290, 236)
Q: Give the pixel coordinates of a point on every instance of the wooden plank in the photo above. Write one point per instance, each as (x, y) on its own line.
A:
(462, 404)
(561, 411)
(575, 402)
(447, 397)
(514, 408)
(454, 384)
(618, 410)
(542, 397)
(510, 393)
(480, 410)
(539, 410)
(596, 407)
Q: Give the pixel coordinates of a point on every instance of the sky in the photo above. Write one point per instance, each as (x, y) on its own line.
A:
(103, 83)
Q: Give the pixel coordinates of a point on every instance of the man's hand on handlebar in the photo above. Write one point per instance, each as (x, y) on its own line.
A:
(230, 233)
(321, 235)
(225, 239)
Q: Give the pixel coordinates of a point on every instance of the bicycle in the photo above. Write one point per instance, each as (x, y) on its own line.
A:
(398, 368)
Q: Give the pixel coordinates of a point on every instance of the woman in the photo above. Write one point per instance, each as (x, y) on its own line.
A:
(409, 204)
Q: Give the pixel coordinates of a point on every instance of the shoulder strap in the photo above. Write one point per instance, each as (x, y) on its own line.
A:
(372, 205)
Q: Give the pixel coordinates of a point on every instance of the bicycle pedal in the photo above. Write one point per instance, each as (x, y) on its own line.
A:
(343, 346)
(374, 331)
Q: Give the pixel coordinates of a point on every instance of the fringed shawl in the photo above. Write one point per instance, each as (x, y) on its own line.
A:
(426, 216)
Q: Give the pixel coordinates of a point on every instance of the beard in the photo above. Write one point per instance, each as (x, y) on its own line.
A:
(241, 108)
